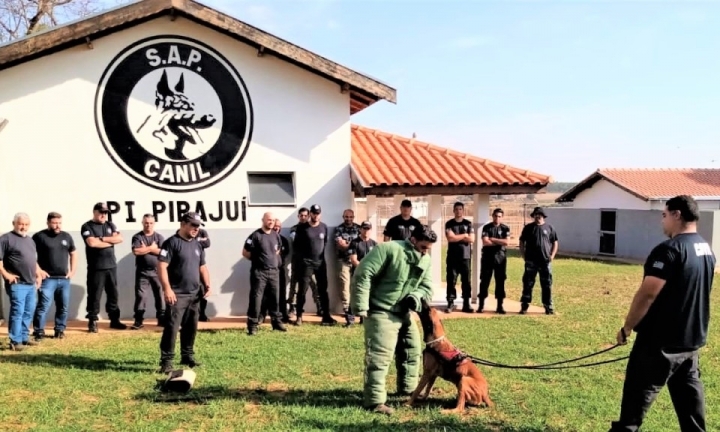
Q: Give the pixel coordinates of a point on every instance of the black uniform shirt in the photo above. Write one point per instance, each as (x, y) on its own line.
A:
(310, 241)
(99, 259)
(53, 251)
(19, 257)
(184, 258)
(361, 247)
(263, 248)
(500, 231)
(679, 317)
(398, 228)
(347, 233)
(284, 250)
(146, 264)
(539, 240)
(459, 250)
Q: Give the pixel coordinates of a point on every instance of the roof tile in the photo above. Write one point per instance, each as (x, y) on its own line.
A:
(666, 183)
(383, 159)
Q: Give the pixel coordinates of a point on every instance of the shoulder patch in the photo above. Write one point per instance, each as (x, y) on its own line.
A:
(163, 252)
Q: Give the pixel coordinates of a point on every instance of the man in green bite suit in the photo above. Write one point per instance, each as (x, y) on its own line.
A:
(387, 285)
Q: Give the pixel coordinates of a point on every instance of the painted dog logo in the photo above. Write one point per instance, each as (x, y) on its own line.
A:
(176, 118)
(174, 114)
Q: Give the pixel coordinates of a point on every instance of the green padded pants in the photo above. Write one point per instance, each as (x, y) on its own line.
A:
(388, 334)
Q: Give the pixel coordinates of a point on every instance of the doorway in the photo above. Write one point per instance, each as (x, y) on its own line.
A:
(608, 219)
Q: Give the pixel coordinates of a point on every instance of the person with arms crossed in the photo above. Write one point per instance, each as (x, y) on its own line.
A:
(146, 247)
(495, 237)
(345, 233)
(388, 284)
(460, 236)
(22, 276)
(400, 227)
(263, 248)
(303, 215)
(358, 249)
(55, 248)
(182, 271)
(101, 236)
(670, 313)
(538, 246)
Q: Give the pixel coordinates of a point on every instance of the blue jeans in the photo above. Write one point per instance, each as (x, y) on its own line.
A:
(52, 288)
(22, 305)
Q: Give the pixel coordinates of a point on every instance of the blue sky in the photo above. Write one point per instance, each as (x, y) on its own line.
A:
(557, 87)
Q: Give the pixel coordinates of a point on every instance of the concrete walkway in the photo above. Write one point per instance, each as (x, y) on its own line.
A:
(221, 323)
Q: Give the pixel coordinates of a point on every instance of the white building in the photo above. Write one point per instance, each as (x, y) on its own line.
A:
(259, 124)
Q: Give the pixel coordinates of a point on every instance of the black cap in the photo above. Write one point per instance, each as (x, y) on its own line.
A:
(192, 217)
(366, 225)
(538, 210)
(101, 207)
(315, 209)
(406, 203)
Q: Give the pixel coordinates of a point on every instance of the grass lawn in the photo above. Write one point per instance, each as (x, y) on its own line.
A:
(311, 378)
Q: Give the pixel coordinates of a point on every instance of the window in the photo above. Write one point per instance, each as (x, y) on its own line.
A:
(271, 189)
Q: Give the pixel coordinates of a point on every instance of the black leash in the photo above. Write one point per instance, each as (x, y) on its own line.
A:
(550, 366)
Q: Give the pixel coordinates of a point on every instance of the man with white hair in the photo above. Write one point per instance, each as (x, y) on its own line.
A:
(22, 276)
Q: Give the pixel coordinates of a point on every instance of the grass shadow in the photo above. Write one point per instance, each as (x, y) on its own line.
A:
(70, 361)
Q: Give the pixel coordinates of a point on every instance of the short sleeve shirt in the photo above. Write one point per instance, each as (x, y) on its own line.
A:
(184, 258)
(53, 251)
(398, 228)
(500, 231)
(459, 250)
(310, 241)
(264, 248)
(19, 257)
(347, 233)
(146, 264)
(360, 247)
(99, 258)
(538, 240)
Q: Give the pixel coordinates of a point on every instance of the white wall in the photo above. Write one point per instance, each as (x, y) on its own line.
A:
(604, 194)
(51, 157)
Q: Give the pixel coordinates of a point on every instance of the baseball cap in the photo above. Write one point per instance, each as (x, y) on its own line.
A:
(366, 225)
(192, 217)
(315, 209)
(101, 207)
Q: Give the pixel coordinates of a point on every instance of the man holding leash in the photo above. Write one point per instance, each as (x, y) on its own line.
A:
(388, 284)
(670, 313)
(182, 271)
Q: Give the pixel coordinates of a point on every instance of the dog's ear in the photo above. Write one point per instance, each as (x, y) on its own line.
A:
(180, 86)
(163, 87)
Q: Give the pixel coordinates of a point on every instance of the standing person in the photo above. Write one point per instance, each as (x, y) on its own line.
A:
(303, 215)
(671, 314)
(538, 246)
(345, 233)
(204, 239)
(400, 227)
(309, 245)
(22, 276)
(183, 273)
(358, 249)
(389, 283)
(101, 236)
(282, 264)
(55, 248)
(495, 237)
(460, 235)
(263, 248)
(146, 248)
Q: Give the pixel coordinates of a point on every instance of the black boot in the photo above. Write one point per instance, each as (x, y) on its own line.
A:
(500, 308)
(450, 307)
(349, 318)
(278, 325)
(328, 321)
(161, 319)
(138, 324)
(117, 325)
(481, 306)
(92, 326)
(549, 310)
(466, 306)
(298, 320)
(524, 308)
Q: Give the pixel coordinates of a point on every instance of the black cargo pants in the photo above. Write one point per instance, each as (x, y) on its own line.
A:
(457, 267)
(649, 369)
(264, 287)
(306, 270)
(183, 317)
(145, 284)
(493, 263)
(532, 269)
(99, 280)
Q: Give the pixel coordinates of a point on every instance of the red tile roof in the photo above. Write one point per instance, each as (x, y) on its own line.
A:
(650, 184)
(383, 159)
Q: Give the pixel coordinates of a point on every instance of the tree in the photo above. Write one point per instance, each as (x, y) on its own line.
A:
(19, 18)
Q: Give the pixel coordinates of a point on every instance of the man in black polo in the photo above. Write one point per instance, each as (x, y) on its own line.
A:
(146, 248)
(101, 236)
(670, 313)
(309, 245)
(345, 233)
(282, 267)
(460, 235)
(303, 215)
(204, 239)
(263, 248)
(495, 237)
(358, 249)
(538, 246)
(55, 248)
(22, 276)
(400, 227)
(182, 271)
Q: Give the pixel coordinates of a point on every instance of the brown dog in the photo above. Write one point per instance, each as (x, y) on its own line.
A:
(442, 359)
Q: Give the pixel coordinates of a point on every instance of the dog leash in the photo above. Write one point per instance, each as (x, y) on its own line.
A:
(555, 365)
